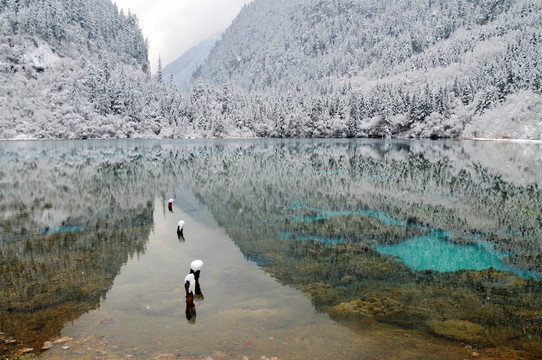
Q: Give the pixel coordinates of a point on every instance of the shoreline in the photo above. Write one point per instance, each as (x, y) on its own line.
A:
(504, 140)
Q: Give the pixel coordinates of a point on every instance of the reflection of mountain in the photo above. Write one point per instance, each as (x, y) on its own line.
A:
(70, 222)
(269, 197)
(443, 187)
(50, 280)
(255, 190)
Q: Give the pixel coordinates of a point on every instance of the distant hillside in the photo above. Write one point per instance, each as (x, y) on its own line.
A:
(284, 68)
(385, 67)
(183, 68)
(74, 69)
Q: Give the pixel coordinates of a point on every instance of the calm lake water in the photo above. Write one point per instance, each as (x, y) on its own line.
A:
(349, 249)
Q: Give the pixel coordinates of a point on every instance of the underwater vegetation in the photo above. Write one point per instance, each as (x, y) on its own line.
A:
(342, 221)
(56, 278)
(352, 239)
(63, 239)
(489, 310)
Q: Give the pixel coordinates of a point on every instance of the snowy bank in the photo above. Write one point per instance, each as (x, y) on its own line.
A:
(519, 117)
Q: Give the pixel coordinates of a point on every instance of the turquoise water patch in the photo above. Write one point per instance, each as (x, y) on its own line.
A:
(256, 260)
(62, 229)
(430, 252)
(327, 240)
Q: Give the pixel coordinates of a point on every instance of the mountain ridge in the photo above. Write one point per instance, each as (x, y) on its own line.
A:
(72, 70)
(183, 68)
(402, 69)
(307, 68)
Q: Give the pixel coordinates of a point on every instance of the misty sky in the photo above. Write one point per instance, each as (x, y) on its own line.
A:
(174, 26)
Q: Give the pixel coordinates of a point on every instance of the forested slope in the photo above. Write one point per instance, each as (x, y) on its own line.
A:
(304, 68)
(383, 68)
(73, 69)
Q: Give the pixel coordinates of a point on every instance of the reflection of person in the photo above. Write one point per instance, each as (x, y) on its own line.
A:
(180, 229)
(190, 313)
(190, 287)
(170, 205)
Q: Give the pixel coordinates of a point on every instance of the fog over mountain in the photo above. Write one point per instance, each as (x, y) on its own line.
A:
(181, 70)
(304, 68)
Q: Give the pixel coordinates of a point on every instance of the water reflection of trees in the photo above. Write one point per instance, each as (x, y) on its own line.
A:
(70, 225)
(50, 280)
(430, 184)
(254, 189)
(255, 192)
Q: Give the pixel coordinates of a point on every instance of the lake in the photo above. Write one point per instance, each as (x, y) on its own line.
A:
(348, 249)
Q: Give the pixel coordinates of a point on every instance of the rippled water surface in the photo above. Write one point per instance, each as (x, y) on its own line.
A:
(311, 248)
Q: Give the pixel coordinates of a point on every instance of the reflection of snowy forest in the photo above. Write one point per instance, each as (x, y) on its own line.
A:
(88, 207)
(465, 188)
(331, 68)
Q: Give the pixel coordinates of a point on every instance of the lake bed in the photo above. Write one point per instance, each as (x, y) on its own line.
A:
(336, 248)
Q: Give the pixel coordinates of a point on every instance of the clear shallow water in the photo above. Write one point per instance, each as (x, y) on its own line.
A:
(293, 235)
(244, 311)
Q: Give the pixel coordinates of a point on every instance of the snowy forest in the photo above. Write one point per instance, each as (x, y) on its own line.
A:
(306, 68)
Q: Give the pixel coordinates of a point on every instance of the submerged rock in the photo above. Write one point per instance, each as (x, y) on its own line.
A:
(62, 340)
(321, 293)
(460, 330)
(373, 306)
(406, 318)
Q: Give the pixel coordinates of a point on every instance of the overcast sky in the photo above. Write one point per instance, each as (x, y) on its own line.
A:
(174, 26)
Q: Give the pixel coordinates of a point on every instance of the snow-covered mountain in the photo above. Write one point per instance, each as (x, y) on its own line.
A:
(73, 69)
(303, 68)
(181, 70)
(386, 67)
